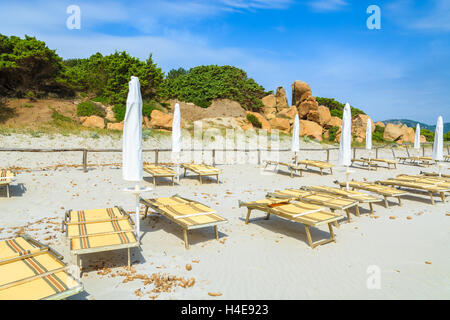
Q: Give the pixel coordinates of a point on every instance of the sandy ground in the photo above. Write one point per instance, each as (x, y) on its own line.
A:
(266, 259)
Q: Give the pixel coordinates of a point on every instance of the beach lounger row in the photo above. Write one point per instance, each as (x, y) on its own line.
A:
(296, 168)
(418, 161)
(293, 169)
(30, 270)
(6, 177)
(99, 230)
(186, 213)
(375, 163)
(159, 171)
(308, 214)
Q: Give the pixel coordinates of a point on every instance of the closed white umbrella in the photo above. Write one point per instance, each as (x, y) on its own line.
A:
(295, 147)
(345, 146)
(438, 145)
(176, 137)
(369, 135)
(417, 137)
(132, 144)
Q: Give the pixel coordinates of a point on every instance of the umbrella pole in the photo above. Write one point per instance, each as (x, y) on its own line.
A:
(347, 173)
(137, 222)
(439, 169)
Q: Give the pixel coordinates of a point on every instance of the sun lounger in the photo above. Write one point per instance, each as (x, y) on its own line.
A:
(322, 165)
(429, 188)
(447, 157)
(366, 162)
(420, 161)
(6, 177)
(188, 214)
(291, 167)
(374, 162)
(302, 212)
(157, 171)
(202, 170)
(30, 270)
(384, 191)
(330, 201)
(350, 194)
(435, 181)
(99, 230)
(436, 175)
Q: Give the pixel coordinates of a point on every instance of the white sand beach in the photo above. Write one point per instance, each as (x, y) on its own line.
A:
(266, 259)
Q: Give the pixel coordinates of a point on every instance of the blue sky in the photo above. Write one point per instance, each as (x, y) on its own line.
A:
(400, 71)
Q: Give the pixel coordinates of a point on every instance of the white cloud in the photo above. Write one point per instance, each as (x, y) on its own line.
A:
(327, 5)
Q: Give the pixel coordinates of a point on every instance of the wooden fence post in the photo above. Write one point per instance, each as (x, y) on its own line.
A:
(213, 157)
(354, 153)
(407, 151)
(328, 155)
(376, 153)
(85, 160)
(156, 156)
(423, 151)
(393, 153)
(259, 156)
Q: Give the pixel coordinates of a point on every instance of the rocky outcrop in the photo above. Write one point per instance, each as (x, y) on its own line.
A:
(334, 122)
(269, 109)
(311, 129)
(265, 125)
(300, 92)
(399, 133)
(309, 105)
(281, 101)
(218, 108)
(289, 114)
(93, 122)
(359, 126)
(160, 120)
(115, 126)
(380, 124)
(281, 124)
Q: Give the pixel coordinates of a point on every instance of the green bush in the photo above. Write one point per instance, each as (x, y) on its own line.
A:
(204, 83)
(149, 106)
(102, 100)
(332, 132)
(175, 73)
(378, 134)
(447, 136)
(56, 116)
(88, 108)
(254, 120)
(429, 135)
(119, 112)
(336, 107)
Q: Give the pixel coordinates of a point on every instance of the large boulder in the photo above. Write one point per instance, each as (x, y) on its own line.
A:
(281, 124)
(265, 125)
(359, 126)
(380, 124)
(308, 105)
(281, 99)
(269, 109)
(408, 134)
(311, 129)
(392, 132)
(244, 123)
(334, 122)
(322, 115)
(288, 114)
(94, 122)
(115, 126)
(161, 120)
(300, 92)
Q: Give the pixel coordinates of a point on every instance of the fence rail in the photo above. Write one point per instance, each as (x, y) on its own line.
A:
(157, 151)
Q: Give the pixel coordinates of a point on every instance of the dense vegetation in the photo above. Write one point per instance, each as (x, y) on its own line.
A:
(202, 84)
(337, 108)
(378, 134)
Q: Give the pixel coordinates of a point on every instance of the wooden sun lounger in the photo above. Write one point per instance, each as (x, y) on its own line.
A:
(350, 194)
(424, 161)
(447, 157)
(30, 270)
(291, 167)
(322, 165)
(436, 181)
(330, 201)
(436, 175)
(99, 230)
(431, 189)
(374, 162)
(157, 171)
(202, 170)
(366, 162)
(6, 177)
(186, 213)
(384, 191)
(302, 212)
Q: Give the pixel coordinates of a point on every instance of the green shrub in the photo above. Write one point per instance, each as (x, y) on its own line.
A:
(378, 134)
(336, 107)
(447, 136)
(149, 106)
(254, 120)
(429, 135)
(332, 132)
(88, 108)
(202, 84)
(56, 116)
(102, 100)
(119, 112)
(27, 105)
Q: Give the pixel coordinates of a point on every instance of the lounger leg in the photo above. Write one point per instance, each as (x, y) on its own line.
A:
(431, 197)
(186, 243)
(267, 216)
(371, 207)
(146, 211)
(200, 179)
(442, 197)
(248, 216)
(154, 181)
(7, 190)
(386, 204)
(348, 215)
(79, 264)
(217, 178)
(216, 232)
(399, 201)
(308, 235)
(330, 227)
(129, 258)
(321, 172)
(173, 182)
(336, 224)
(357, 210)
